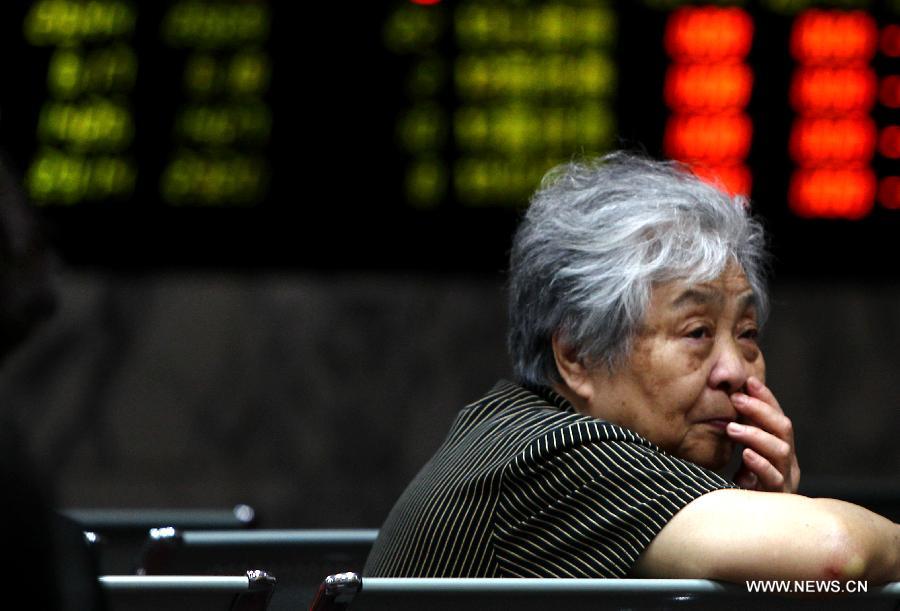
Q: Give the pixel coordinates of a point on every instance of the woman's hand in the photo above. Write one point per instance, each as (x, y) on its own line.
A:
(769, 459)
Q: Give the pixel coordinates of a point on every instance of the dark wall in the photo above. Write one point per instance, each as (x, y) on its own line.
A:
(833, 353)
(313, 398)
(316, 397)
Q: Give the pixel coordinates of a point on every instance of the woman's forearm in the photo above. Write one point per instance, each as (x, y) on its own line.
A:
(734, 535)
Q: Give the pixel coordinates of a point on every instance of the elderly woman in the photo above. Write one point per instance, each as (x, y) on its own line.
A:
(636, 298)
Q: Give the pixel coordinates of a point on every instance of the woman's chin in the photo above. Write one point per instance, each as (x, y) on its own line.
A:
(713, 454)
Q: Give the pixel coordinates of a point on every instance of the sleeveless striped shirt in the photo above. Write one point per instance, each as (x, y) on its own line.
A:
(525, 486)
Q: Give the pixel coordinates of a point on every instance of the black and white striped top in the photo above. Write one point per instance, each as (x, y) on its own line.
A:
(525, 486)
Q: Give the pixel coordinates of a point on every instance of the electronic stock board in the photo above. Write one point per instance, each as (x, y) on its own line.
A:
(410, 133)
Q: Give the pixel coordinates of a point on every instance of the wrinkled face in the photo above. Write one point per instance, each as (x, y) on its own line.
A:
(698, 345)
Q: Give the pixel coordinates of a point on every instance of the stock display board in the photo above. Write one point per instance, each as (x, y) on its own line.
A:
(410, 133)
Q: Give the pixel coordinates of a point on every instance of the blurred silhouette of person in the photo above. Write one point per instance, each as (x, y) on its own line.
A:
(46, 555)
(26, 294)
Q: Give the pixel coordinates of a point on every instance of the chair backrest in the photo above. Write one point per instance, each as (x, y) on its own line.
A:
(349, 591)
(250, 592)
(300, 559)
(121, 533)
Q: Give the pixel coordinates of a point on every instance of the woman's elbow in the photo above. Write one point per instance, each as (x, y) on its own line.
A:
(853, 554)
(860, 545)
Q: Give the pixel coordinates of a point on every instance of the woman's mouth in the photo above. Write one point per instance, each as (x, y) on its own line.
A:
(719, 423)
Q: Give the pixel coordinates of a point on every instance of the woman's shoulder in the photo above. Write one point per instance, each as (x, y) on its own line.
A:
(538, 428)
(538, 416)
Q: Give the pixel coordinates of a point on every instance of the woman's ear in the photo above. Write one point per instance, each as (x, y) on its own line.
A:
(572, 369)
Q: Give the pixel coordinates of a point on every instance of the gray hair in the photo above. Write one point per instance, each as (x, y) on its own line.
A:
(598, 236)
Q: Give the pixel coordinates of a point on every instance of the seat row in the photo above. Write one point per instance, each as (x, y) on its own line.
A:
(233, 566)
(161, 557)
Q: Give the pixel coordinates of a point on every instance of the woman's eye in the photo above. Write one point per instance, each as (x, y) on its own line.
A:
(698, 333)
(750, 334)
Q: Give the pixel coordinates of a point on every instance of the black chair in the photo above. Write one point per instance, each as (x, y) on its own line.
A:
(348, 591)
(250, 592)
(119, 534)
(300, 559)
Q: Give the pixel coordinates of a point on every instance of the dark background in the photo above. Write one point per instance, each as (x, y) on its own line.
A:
(306, 355)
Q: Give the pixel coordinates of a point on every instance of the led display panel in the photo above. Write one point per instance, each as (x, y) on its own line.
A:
(410, 133)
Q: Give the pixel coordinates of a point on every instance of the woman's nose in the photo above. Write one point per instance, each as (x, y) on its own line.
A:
(730, 370)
